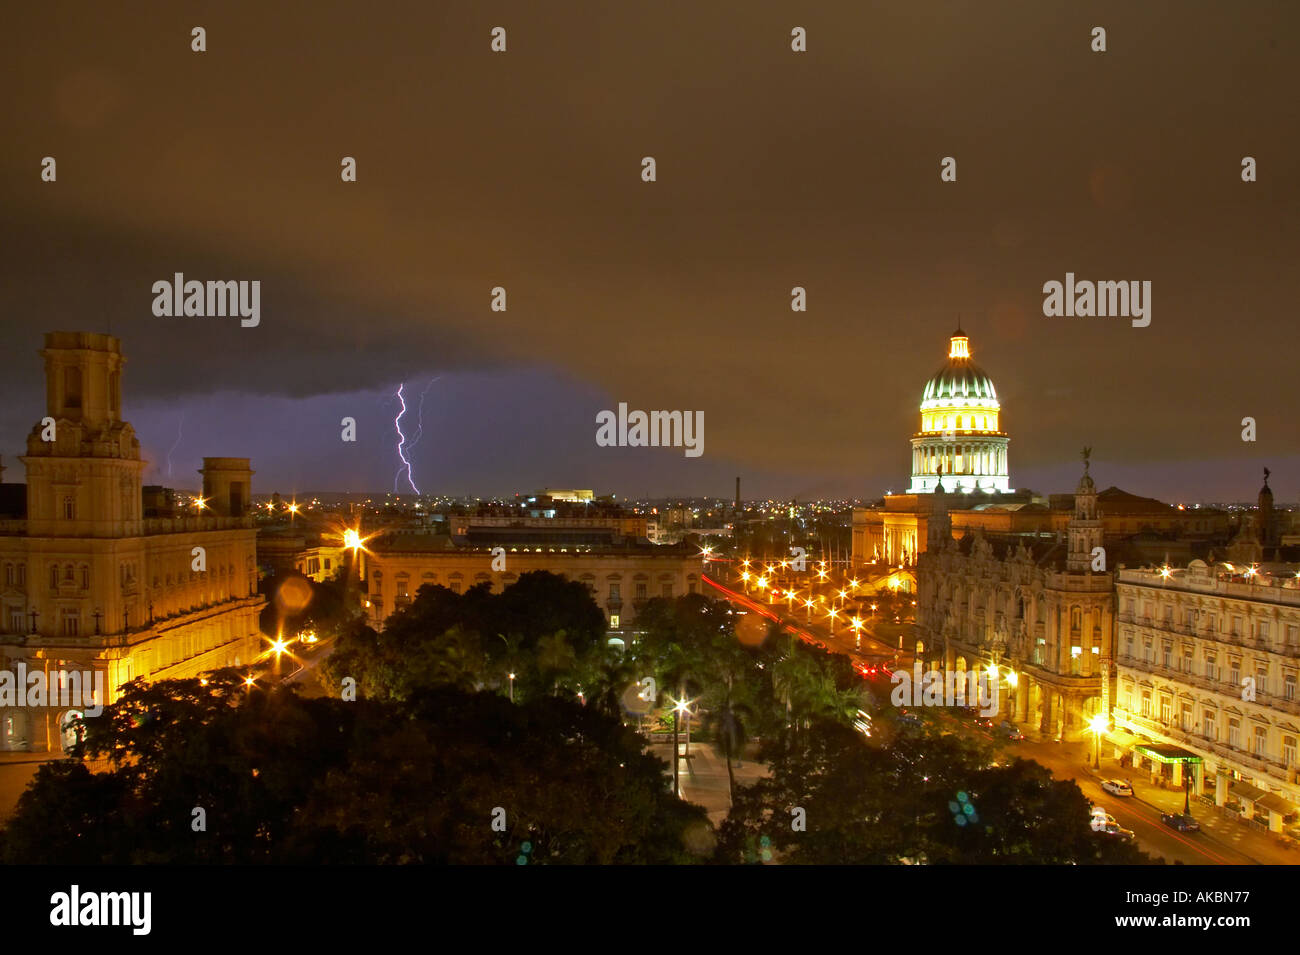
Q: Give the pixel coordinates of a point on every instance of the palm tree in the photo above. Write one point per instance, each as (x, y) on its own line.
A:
(555, 657)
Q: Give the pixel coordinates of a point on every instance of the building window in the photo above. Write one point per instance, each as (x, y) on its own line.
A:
(1208, 726)
(85, 577)
(1166, 710)
(1292, 634)
(54, 576)
(1260, 746)
(1288, 751)
(22, 575)
(1146, 652)
(401, 588)
(1234, 672)
(71, 622)
(1168, 652)
(1187, 659)
(327, 563)
(9, 575)
(1288, 688)
(1211, 667)
(1186, 717)
(613, 620)
(1234, 733)
(1263, 630)
(640, 591)
(455, 586)
(69, 509)
(1261, 680)
(615, 591)
(1236, 626)
(1146, 702)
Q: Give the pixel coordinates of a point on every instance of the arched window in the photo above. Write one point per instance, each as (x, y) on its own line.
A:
(54, 575)
(69, 508)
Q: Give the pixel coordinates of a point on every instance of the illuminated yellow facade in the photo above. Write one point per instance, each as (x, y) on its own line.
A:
(960, 437)
(90, 584)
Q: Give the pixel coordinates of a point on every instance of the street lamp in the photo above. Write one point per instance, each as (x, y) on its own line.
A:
(1098, 726)
(681, 707)
(512, 687)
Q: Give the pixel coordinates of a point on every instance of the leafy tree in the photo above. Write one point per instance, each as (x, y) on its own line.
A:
(287, 780)
(921, 798)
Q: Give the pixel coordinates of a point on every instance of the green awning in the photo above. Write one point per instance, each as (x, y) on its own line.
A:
(1165, 753)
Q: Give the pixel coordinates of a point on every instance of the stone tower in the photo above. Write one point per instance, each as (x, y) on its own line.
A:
(83, 461)
(1085, 528)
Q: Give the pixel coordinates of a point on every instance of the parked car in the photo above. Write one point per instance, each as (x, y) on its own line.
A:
(983, 721)
(1119, 832)
(1101, 819)
(1117, 787)
(1179, 821)
(1010, 730)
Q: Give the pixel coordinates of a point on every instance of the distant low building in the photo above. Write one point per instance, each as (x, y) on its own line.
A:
(620, 574)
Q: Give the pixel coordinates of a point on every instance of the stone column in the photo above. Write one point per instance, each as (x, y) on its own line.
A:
(1178, 775)
(1048, 724)
(1070, 715)
(1221, 789)
(1022, 699)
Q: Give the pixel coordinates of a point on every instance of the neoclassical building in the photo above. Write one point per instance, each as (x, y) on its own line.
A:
(620, 574)
(1032, 608)
(960, 435)
(1209, 658)
(88, 582)
(959, 439)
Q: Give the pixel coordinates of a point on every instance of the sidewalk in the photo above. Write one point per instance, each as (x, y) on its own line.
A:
(704, 775)
(1215, 825)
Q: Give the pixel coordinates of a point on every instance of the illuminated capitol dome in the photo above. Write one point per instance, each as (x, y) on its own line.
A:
(959, 437)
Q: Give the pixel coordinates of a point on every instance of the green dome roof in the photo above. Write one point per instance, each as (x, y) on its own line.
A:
(959, 380)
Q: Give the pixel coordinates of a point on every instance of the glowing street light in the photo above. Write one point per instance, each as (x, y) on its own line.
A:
(1098, 726)
(512, 687)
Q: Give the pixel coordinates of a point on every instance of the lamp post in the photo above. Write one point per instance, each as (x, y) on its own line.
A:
(1187, 789)
(1098, 726)
(512, 687)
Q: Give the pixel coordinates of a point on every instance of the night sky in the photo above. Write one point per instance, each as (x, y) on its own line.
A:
(775, 169)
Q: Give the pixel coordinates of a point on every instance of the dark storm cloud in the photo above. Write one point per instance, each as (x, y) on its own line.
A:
(775, 170)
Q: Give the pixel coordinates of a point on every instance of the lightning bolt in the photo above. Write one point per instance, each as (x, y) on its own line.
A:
(401, 442)
(180, 427)
(419, 421)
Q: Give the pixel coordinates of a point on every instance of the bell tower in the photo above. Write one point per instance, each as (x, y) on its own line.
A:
(1085, 528)
(83, 461)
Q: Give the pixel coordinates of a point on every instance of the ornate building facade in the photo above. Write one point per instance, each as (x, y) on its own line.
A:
(1031, 610)
(1208, 661)
(89, 583)
(959, 439)
(960, 435)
